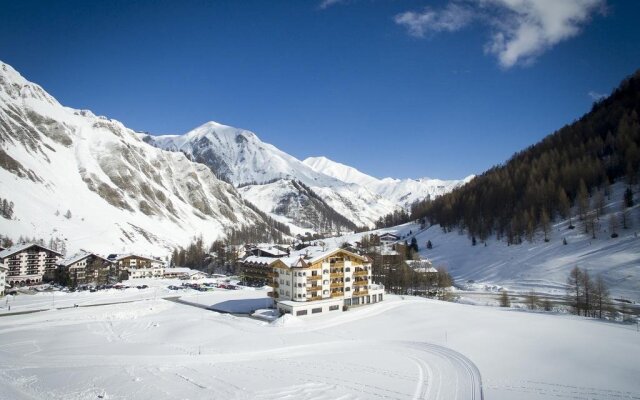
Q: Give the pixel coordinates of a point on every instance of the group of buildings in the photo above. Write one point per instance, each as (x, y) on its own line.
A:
(312, 280)
(308, 281)
(32, 263)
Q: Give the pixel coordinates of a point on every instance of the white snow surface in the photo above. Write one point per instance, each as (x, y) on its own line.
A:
(401, 348)
(122, 194)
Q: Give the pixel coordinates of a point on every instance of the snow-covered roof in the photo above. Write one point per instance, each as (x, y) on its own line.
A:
(261, 260)
(78, 257)
(21, 247)
(122, 256)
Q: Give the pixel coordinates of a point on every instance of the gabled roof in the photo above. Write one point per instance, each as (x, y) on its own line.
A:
(24, 246)
(79, 257)
(123, 256)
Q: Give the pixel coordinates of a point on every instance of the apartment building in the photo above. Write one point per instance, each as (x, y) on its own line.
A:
(315, 280)
(137, 266)
(28, 264)
(85, 268)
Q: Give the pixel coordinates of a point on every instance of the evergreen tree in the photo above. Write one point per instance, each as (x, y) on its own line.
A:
(628, 197)
(504, 299)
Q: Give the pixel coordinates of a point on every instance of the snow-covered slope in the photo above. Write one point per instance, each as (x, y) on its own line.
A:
(92, 181)
(539, 265)
(403, 192)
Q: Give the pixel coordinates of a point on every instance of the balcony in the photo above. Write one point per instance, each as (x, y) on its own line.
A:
(315, 298)
(275, 284)
(314, 277)
(314, 289)
(361, 293)
(337, 264)
(336, 294)
(360, 283)
(273, 274)
(337, 284)
(360, 272)
(273, 294)
(336, 275)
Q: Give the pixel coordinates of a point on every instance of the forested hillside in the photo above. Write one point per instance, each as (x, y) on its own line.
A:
(572, 167)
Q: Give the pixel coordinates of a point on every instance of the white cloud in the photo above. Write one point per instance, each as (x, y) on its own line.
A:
(521, 30)
(595, 96)
(450, 19)
(328, 3)
(524, 29)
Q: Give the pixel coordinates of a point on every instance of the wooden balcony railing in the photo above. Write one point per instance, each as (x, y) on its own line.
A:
(337, 294)
(360, 272)
(314, 277)
(360, 283)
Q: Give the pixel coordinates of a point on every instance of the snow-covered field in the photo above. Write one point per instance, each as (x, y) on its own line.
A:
(402, 348)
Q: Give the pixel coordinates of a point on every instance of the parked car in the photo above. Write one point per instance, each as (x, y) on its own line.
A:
(142, 287)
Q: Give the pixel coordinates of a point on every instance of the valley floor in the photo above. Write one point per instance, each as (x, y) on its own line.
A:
(402, 348)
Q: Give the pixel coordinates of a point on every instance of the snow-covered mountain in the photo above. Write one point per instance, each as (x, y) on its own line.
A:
(404, 192)
(92, 181)
(314, 194)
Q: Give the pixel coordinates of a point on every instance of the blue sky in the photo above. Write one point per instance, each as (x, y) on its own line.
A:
(401, 88)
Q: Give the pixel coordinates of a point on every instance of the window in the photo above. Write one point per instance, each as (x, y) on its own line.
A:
(288, 293)
(348, 269)
(281, 291)
(325, 271)
(334, 308)
(299, 284)
(301, 312)
(316, 310)
(347, 279)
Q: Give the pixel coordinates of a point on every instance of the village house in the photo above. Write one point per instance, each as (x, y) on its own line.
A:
(29, 264)
(85, 268)
(315, 280)
(133, 266)
(387, 238)
(255, 269)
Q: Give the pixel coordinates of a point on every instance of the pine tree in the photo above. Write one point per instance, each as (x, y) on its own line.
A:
(504, 299)
(628, 198)
(544, 220)
(575, 290)
(67, 215)
(600, 295)
(532, 300)
(429, 245)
